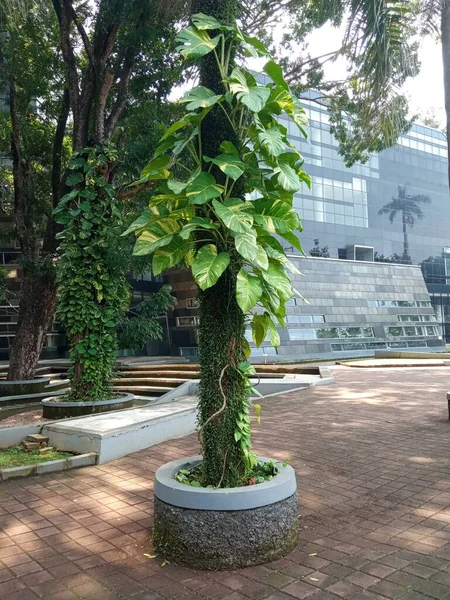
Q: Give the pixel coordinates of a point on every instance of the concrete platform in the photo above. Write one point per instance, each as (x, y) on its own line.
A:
(385, 363)
(117, 434)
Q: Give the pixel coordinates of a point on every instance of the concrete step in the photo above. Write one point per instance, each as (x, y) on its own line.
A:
(166, 382)
(28, 398)
(148, 389)
(176, 375)
(182, 367)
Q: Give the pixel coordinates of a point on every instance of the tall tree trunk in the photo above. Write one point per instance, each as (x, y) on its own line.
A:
(37, 296)
(445, 40)
(221, 321)
(405, 237)
(36, 310)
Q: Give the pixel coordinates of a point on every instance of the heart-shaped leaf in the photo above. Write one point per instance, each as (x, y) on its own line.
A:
(200, 97)
(230, 164)
(272, 140)
(169, 256)
(202, 21)
(203, 188)
(195, 43)
(208, 266)
(244, 86)
(157, 234)
(233, 215)
(246, 245)
(248, 290)
(275, 215)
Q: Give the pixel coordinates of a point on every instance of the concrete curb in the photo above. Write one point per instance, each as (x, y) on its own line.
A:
(51, 466)
(172, 492)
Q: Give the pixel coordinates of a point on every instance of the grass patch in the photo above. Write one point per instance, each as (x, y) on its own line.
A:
(17, 457)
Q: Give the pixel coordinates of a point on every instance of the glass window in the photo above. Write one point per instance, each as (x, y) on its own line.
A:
(350, 332)
(368, 332)
(410, 331)
(302, 334)
(394, 331)
(431, 330)
(329, 332)
(318, 319)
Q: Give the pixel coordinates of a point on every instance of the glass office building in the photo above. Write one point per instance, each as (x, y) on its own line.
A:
(395, 208)
(342, 209)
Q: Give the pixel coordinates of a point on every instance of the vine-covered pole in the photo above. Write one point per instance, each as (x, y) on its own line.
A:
(221, 321)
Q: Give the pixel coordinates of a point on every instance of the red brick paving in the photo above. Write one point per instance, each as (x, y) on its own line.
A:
(372, 456)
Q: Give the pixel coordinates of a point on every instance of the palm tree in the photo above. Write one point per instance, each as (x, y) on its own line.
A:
(409, 207)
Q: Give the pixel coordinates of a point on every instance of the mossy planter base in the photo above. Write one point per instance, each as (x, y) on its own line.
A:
(23, 388)
(55, 408)
(263, 527)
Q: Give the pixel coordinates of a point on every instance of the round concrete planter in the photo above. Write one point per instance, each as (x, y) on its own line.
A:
(55, 408)
(227, 528)
(24, 387)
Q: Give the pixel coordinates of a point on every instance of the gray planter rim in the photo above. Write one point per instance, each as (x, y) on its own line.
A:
(118, 400)
(170, 491)
(43, 379)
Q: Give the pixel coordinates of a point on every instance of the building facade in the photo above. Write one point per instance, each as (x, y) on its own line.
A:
(379, 236)
(381, 232)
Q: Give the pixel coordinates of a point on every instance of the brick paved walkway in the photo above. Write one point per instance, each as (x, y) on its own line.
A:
(372, 455)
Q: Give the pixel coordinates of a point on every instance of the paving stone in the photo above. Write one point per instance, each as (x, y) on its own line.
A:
(364, 493)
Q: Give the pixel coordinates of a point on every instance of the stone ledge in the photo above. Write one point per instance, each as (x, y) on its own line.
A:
(51, 466)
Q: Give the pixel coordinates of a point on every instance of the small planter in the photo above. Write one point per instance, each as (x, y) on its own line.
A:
(55, 408)
(227, 528)
(24, 387)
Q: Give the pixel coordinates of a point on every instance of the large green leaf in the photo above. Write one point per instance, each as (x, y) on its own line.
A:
(180, 124)
(246, 244)
(156, 169)
(208, 266)
(244, 86)
(275, 215)
(252, 45)
(272, 140)
(195, 224)
(202, 21)
(195, 43)
(287, 177)
(248, 290)
(203, 188)
(259, 325)
(261, 258)
(292, 239)
(278, 279)
(232, 213)
(230, 164)
(228, 148)
(157, 234)
(169, 256)
(275, 72)
(274, 335)
(200, 97)
(139, 223)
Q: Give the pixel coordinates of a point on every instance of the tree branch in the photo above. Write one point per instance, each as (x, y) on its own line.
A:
(58, 185)
(122, 94)
(83, 35)
(64, 12)
(128, 192)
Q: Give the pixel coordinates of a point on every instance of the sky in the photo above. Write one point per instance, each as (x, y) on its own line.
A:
(425, 92)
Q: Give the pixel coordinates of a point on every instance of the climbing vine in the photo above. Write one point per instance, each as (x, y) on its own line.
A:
(93, 293)
(224, 220)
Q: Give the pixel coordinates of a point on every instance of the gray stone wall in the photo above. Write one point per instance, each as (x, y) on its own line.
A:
(353, 308)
